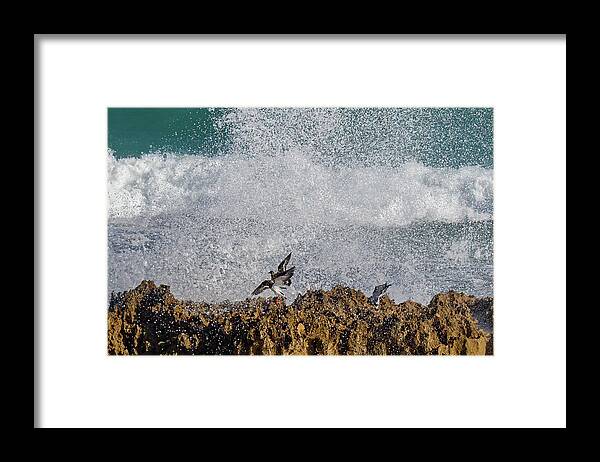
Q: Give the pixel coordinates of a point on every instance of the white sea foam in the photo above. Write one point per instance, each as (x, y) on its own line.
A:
(297, 187)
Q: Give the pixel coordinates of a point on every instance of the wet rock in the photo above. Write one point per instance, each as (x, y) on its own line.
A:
(483, 310)
(340, 321)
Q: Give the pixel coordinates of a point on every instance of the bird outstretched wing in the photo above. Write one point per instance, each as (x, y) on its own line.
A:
(283, 278)
(283, 265)
(263, 286)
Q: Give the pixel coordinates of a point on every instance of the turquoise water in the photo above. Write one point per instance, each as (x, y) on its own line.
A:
(133, 132)
(437, 137)
(209, 200)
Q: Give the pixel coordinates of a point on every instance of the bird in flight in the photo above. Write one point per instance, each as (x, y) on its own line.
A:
(279, 280)
(282, 270)
(378, 293)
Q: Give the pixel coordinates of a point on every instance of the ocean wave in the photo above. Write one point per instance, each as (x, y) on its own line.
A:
(359, 196)
(298, 188)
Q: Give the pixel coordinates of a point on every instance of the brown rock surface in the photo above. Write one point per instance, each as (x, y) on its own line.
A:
(340, 321)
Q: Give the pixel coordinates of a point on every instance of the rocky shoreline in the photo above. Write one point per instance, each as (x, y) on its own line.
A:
(150, 320)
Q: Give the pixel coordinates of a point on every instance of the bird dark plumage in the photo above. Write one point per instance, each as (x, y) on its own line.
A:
(283, 274)
(266, 284)
(283, 277)
(279, 280)
(378, 293)
(283, 265)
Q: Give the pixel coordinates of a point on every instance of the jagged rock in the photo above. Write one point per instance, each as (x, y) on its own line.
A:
(340, 321)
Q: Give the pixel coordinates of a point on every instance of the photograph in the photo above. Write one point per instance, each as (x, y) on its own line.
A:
(300, 230)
